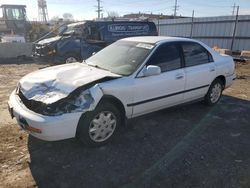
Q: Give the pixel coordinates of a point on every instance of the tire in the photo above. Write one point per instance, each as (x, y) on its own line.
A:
(97, 122)
(214, 93)
(71, 58)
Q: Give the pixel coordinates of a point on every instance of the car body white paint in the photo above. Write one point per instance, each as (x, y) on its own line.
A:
(54, 83)
(129, 90)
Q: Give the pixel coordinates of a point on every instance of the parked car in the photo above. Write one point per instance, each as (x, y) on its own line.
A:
(80, 40)
(129, 78)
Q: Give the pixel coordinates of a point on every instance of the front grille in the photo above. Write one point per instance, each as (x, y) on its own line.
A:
(28, 103)
(40, 107)
(35, 106)
(41, 50)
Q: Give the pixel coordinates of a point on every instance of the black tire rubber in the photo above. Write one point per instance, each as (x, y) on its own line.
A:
(207, 98)
(82, 132)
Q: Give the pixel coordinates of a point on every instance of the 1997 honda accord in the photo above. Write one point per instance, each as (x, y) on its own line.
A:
(131, 77)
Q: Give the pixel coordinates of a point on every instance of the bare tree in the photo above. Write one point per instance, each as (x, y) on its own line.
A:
(68, 17)
(55, 18)
(113, 14)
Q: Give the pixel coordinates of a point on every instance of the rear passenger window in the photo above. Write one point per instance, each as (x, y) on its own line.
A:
(167, 57)
(195, 54)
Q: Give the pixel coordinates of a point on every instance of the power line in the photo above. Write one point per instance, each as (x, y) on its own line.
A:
(201, 4)
(137, 3)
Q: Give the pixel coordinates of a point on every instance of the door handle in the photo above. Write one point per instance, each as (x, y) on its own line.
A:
(211, 69)
(179, 76)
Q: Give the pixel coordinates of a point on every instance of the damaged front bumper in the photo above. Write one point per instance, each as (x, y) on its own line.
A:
(55, 59)
(51, 127)
(44, 127)
(46, 54)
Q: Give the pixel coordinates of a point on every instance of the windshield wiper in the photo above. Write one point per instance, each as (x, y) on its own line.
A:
(97, 66)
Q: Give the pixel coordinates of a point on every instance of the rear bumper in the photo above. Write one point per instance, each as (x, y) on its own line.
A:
(48, 128)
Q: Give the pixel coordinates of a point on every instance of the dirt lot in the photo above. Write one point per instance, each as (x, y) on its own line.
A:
(187, 146)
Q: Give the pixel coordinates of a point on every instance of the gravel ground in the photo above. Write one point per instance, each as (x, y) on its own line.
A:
(185, 146)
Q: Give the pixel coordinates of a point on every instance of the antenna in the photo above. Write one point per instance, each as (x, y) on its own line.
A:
(42, 11)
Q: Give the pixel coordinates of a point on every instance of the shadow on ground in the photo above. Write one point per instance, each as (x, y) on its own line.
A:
(18, 60)
(186, 146)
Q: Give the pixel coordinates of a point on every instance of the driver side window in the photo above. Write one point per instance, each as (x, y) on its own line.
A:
(167, 57)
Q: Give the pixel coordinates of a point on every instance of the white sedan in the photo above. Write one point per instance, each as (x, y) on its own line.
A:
(131, 77)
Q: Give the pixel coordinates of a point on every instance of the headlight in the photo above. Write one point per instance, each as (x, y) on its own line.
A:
(18, 87)
(70, 104)
(51, 52)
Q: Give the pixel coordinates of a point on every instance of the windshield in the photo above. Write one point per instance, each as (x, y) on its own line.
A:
(69, 30)
(122, 57)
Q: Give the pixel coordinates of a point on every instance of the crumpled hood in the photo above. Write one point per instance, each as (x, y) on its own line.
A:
(52, 84)
(50, 40)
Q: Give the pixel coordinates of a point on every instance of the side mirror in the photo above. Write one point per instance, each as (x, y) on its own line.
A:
(151, 70)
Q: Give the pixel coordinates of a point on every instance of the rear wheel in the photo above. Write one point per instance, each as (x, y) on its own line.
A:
(214, 93)
(98, 127)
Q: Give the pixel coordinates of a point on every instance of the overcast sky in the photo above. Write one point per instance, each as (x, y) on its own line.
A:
(85, 9)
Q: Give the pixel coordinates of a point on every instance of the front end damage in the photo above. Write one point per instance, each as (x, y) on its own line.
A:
(46, 50)
(62, 89)
(48, 103)
(55, 121)
(80, 100)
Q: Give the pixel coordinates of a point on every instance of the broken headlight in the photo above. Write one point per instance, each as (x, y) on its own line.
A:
(73, 103)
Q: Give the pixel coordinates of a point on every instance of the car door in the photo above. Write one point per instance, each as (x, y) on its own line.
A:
(199, 69)
(159, 91)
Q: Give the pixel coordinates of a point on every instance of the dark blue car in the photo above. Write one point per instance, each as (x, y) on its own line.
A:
(80, 40)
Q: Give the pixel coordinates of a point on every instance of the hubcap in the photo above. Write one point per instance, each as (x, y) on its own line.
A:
(215, 93)
(102, 126)
(70, 60)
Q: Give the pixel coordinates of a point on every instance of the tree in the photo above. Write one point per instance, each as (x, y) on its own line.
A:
(55, 18)
(68, 17)
(113, 14)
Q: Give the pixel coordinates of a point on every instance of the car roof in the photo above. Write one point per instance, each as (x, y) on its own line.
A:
(157, 39)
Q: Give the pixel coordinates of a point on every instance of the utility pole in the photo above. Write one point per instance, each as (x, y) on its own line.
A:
(99, 8)
(192, 25)
(175, 8)
(235, 27)
(233, 9)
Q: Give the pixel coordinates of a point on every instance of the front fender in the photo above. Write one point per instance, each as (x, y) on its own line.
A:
(71, 45)
(96, 93)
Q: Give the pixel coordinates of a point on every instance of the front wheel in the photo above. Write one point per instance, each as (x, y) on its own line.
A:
(98, 127)
(214, 93)
(71, 58)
